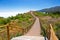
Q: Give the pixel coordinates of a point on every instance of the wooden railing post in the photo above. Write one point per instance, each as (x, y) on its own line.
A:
(8, 35)
(49, 32)
(52, 35)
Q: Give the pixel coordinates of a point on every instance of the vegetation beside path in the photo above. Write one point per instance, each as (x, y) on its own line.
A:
(16, 24)
(46, 19)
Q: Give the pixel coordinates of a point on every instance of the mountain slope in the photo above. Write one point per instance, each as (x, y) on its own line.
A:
(52, 9)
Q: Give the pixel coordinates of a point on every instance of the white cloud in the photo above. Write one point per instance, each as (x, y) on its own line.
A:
(11, 13)
(7, 14)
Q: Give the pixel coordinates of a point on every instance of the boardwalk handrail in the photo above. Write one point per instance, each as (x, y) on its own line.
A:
(52, 33)
(7, 29)
(48, 32)
(24, 30)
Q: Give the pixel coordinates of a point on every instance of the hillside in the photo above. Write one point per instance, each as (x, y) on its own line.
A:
(52, 9)
(17, 25)
(46, 19)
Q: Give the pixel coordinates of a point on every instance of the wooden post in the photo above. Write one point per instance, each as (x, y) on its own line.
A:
(53, 35)
(8, 35)
(23, 31)
(48, 32)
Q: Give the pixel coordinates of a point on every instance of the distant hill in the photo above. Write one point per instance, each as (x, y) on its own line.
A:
(52, 9)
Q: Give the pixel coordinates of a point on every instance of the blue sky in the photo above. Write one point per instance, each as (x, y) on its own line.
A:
(15, 6)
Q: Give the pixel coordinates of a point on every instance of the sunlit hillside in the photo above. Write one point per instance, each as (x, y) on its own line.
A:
(16, 25)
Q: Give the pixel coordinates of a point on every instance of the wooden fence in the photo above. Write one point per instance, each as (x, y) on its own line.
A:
(52, 33)
(7, 29)
(49, 33)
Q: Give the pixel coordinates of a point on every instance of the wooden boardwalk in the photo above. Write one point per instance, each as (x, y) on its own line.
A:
(35, 29)
(34, 33)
